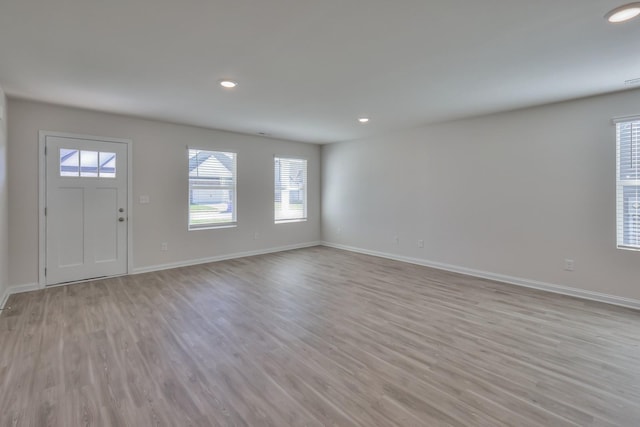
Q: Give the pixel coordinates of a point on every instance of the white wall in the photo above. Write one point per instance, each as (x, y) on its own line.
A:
(4, 206)
(513, 194)
(159, 170)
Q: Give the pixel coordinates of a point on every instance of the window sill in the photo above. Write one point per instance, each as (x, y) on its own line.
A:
(213, 227)
(286, 221)
(629, 248)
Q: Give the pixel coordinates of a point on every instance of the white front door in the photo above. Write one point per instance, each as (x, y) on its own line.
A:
(86, 209)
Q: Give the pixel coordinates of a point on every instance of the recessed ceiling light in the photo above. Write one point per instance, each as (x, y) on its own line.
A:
(623, 13)
(363, 119)
(228, 84)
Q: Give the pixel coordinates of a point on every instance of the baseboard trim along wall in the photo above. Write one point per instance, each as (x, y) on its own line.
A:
(225, 257)
(533, 284)
(18, 289)
(35, 286)
(558, 289)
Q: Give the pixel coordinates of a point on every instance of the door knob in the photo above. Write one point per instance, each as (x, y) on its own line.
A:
(121, 210)
(121, 219)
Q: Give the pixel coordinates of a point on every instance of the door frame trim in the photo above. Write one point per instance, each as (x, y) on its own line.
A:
(42, 194)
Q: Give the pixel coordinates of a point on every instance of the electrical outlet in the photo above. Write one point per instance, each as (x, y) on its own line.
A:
(164, 246)
(144, 199)
(339, 230)
(256, 235)
(569, 265)
(421, 243)
(397, 240)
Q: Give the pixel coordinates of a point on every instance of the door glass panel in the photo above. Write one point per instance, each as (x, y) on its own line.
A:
(88, 163)
(69, 162)
(107, 165)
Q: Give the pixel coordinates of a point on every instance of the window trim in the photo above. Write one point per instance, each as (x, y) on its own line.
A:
(306, 189)
(213, 226)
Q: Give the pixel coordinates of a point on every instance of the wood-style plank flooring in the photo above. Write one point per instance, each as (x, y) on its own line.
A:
(314, 337)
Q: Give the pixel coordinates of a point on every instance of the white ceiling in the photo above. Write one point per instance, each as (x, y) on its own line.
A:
(308, 68)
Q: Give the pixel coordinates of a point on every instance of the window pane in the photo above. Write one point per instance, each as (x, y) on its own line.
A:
(629, 150)
(69, 162)
(107, 165)
(88, 163)
(631, 214)
(212, 188)
(290, 198)
(628, 184)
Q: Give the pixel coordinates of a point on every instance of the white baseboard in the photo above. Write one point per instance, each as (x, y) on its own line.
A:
(35, 286)
(18, 289)
(5, 297)
(188, 263)
(518, 281)
(558, 289)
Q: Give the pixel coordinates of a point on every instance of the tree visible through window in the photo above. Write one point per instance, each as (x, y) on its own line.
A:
(290, 189)
(212, 189)
(628, 183)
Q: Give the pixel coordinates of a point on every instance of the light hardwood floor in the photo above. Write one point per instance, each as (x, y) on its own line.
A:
(315, 337)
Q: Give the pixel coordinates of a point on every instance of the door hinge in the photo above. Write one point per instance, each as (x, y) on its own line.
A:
(45, 211)
(45, 150)
(45, 271)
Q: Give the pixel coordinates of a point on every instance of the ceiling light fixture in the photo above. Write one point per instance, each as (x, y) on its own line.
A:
(623, 13)
(363, 119)
(228, 84)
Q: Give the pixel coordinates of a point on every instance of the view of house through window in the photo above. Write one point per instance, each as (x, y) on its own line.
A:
(628, 183)
(290, 189)
(212, 189)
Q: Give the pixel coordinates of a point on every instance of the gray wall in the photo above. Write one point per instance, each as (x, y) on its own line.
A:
(4, 203)
(159, 170)
(513, 194)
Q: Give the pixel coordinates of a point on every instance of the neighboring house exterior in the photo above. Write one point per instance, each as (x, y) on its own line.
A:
(209, 174)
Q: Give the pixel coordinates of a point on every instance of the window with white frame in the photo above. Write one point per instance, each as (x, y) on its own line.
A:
(628, 183)
(212, 189)
(290, 189)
